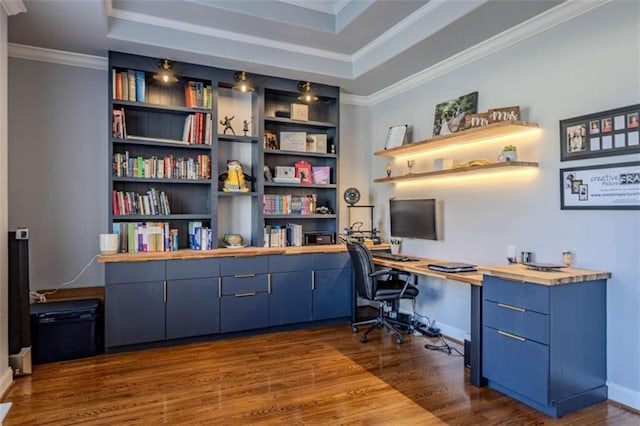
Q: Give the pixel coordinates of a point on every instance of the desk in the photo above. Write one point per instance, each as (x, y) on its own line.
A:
(511, 273)
(419, 267)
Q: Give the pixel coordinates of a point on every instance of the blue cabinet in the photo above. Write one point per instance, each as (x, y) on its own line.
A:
(290, 293)
(193, 298)
(332, 286)
(134, 303)
(545, 345)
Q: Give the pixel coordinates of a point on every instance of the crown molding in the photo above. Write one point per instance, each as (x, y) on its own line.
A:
(57, 56)
(397, 29)
(346, 98)
(13, 7)
(547, 20)
(222, 34)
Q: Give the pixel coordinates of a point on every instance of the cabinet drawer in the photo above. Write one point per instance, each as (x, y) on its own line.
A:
(241, 284)
(528, 324)
(290, 263)
(533, 297)
(192, 268)
(519, 365)
(130, 272)
(331, 261)
(244, 265)
(244, 312)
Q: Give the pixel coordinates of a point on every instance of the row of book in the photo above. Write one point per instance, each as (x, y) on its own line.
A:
(151, 203)
(197, 129)
(278, 236)
(128, 85)
(197, 95)
(288, 204)
(168, 167)
(134, 237)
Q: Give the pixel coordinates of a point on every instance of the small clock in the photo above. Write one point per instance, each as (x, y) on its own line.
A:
(352, 196)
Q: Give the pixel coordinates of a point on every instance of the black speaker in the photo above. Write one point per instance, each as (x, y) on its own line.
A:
(19, 323)
(467, 353)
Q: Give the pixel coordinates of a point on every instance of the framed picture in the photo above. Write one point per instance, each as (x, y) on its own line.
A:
(396, 136)
(303, 171)
(270, 140)
(450, 115)
(612, 132)
(601, 187)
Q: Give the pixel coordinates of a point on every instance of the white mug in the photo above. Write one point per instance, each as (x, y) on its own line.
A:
(108, 243)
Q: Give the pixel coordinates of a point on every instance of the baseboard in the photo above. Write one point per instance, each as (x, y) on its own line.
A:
(624, 396)
(6, 380)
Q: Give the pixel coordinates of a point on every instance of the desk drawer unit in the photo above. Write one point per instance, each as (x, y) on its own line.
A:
(545, 344)
(244, 286)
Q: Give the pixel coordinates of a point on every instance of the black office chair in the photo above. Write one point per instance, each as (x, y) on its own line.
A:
(371, 286)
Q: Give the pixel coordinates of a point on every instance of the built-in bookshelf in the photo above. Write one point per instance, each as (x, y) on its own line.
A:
(310, 142)
(170, 145)
(160, 154)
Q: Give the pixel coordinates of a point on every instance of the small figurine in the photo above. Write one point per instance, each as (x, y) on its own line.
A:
(245, 127)
(227, 124)
(388, 169)
(235, 180)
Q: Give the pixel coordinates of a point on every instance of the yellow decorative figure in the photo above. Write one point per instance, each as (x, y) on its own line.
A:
(235, 179)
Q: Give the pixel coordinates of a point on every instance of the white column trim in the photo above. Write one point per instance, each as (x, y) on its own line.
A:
(13, 7)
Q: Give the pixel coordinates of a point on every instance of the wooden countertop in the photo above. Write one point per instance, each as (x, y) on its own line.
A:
(226, 252)
(521, 273)
(419, 267)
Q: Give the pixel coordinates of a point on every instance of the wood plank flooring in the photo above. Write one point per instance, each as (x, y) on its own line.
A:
(320, 375)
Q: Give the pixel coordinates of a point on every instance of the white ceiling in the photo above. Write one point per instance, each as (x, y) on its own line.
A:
(363, 46)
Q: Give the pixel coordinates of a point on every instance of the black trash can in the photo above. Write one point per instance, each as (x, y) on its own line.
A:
(63, 330)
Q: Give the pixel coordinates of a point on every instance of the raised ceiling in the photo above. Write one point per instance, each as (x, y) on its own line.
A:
(364, 46)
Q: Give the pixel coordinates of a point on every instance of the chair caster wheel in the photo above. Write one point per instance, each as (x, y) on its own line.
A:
(399, 340)
(354, 328)
(363, 339)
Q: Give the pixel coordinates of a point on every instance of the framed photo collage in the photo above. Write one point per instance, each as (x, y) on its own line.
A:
(613, 132)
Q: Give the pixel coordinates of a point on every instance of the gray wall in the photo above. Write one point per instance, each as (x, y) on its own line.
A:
(58, 168)
(586, 65)
(6, 375)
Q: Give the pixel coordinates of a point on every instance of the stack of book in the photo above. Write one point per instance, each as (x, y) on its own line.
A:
(128, 85)
(153, 203)
(168, 167)
(134, 237)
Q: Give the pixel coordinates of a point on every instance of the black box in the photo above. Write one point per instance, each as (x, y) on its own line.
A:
(318, 238)
(63, 330)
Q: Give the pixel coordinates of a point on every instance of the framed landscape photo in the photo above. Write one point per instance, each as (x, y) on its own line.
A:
(612, 132)
(450, 115)
(601, 187)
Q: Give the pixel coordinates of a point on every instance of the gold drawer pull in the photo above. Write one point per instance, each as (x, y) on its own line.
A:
(245, 276)
(513, 336)
(245, 294)
(513, 308)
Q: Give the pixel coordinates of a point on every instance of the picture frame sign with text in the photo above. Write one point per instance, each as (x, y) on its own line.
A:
(601, 187)
(612, 132)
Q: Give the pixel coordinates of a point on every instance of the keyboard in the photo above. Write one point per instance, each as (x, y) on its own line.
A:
(396, 257)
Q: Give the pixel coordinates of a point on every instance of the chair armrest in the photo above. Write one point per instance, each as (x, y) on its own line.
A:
(381, 271)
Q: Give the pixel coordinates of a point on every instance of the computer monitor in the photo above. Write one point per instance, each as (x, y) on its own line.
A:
(413, 218)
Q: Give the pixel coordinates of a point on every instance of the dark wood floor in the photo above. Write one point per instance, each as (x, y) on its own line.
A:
(321, 375)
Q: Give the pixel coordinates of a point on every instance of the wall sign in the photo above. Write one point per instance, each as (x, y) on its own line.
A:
(612, 132)
(601, 187)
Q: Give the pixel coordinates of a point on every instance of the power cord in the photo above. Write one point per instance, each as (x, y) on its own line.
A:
(443, 347)
(42, 297)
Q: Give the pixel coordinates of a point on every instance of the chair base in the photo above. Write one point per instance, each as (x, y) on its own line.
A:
(379, 323)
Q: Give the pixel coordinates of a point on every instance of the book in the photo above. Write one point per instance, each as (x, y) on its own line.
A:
(321, 174)
(131, 78)
(319, 143)
(140, 86)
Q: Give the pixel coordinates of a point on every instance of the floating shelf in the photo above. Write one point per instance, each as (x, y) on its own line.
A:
(506, 165)
(300, 122)
(502, 128)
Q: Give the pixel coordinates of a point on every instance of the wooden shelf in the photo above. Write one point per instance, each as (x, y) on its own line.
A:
(503, 128)
(472, 169)
(300, 216)
(146, 105)
(301, 185)
(300, 122)
(300, 153)
(161, 143)
(237, 138)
